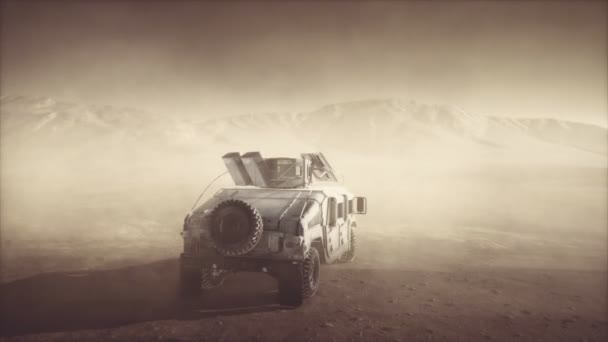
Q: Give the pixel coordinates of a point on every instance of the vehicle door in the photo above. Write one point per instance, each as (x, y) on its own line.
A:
(348, 215)
(332, 226)
(343, 220)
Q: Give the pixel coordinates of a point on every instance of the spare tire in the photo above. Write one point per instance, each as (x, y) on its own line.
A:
(236, 227)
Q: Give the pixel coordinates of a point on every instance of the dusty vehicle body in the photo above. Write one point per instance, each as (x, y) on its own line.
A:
(284, 217)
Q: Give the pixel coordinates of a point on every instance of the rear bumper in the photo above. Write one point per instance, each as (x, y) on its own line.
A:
(235, 264)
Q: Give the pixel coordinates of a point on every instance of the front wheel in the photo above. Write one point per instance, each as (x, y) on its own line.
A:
(349, 256)
(300, 281)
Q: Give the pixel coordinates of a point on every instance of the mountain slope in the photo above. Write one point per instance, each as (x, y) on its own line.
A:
(394, 128)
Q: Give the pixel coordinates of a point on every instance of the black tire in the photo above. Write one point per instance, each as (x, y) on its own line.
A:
(190, 282)
(349, 256)
(236, 227)
(211, 279)
(300, 281)
(311, 272)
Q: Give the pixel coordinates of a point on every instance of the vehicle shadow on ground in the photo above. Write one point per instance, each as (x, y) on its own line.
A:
(110, 298)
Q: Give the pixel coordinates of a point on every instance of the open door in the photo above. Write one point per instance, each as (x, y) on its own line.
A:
(321, 169)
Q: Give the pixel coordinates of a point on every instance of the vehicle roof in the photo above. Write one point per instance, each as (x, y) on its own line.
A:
(324, 188)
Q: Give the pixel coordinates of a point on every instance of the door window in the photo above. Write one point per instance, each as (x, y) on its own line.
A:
(332, 211)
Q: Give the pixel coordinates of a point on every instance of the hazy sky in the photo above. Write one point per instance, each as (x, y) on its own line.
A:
(523, 58)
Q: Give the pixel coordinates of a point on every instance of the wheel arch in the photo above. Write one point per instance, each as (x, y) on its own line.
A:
(320, 246)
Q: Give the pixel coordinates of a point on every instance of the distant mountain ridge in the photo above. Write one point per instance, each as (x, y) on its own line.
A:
(392, 124)
(371, 126)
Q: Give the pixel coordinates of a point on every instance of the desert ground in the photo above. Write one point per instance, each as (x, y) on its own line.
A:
(428, 295)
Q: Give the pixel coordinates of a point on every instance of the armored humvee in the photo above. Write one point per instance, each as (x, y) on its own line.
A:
(284, 216)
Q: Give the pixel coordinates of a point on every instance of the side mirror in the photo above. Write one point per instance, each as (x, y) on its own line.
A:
(360, 205)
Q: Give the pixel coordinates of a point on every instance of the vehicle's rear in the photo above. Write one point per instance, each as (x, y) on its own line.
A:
(248, 228)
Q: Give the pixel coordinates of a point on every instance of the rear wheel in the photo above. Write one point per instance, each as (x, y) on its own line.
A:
(300, 281)
(311, 271)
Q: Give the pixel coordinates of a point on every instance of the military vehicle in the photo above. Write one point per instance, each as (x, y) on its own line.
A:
(284, 216)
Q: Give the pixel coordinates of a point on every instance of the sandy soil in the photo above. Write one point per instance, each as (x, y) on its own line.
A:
(438, 289)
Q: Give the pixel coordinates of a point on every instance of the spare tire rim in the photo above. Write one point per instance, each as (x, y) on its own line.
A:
(236, 227)
(233, 226)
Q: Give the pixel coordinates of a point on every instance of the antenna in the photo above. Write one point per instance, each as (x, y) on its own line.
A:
(208, 185)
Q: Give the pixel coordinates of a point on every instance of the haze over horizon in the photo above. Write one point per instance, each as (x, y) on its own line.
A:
(524, 59)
